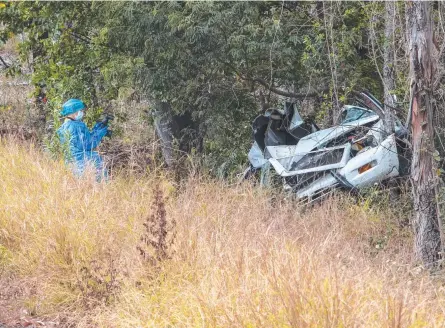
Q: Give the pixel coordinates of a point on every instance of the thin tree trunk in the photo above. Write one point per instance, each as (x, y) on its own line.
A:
(332, 55)
(164, 130)
(422, 70)
(388, 66)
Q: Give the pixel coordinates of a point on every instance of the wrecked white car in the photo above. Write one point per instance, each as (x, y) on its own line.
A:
(354, 154)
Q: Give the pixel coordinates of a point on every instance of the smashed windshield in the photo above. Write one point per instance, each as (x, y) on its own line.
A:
(351, 114)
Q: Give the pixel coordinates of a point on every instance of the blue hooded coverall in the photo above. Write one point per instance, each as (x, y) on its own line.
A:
(81, 147)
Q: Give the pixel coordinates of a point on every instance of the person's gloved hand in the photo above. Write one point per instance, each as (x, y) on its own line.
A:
(109, 133)
(107, 118)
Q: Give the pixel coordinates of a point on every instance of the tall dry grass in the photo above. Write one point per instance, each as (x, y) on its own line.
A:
(241, 257)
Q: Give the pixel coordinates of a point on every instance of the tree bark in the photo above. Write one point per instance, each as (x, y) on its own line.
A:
(422, 70)
(164, 129)
(388, 67)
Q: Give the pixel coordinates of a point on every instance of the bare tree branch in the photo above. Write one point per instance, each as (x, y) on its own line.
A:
(271, 88)
(287, 93)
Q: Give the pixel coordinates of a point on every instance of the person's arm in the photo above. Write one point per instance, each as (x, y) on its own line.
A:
(99, 131)
(89, 140)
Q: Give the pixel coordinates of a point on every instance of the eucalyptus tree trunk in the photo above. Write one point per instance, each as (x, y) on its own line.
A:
(388, 66)
(164, 129)
(422, 70)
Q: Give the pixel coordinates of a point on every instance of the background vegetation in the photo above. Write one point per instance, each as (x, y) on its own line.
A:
(207, 68)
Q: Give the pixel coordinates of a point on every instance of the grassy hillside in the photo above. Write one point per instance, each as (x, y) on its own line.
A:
(76, 252)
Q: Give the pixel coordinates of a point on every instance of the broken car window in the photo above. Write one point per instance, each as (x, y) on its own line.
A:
(351, 114)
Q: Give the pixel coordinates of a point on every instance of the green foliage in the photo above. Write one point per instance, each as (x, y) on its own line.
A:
(218, 61)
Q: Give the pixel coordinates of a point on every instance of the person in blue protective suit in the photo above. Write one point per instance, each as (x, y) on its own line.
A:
(79, 141)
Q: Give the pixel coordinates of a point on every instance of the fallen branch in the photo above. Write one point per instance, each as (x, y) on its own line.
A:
(4, 63)
(15, 84)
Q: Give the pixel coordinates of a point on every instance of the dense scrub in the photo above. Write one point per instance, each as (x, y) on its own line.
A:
(70, 252)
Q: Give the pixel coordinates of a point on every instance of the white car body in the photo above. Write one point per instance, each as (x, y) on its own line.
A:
(315, 167)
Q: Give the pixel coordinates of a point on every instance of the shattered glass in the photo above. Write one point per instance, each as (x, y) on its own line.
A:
(316, 159)
(352, 114)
